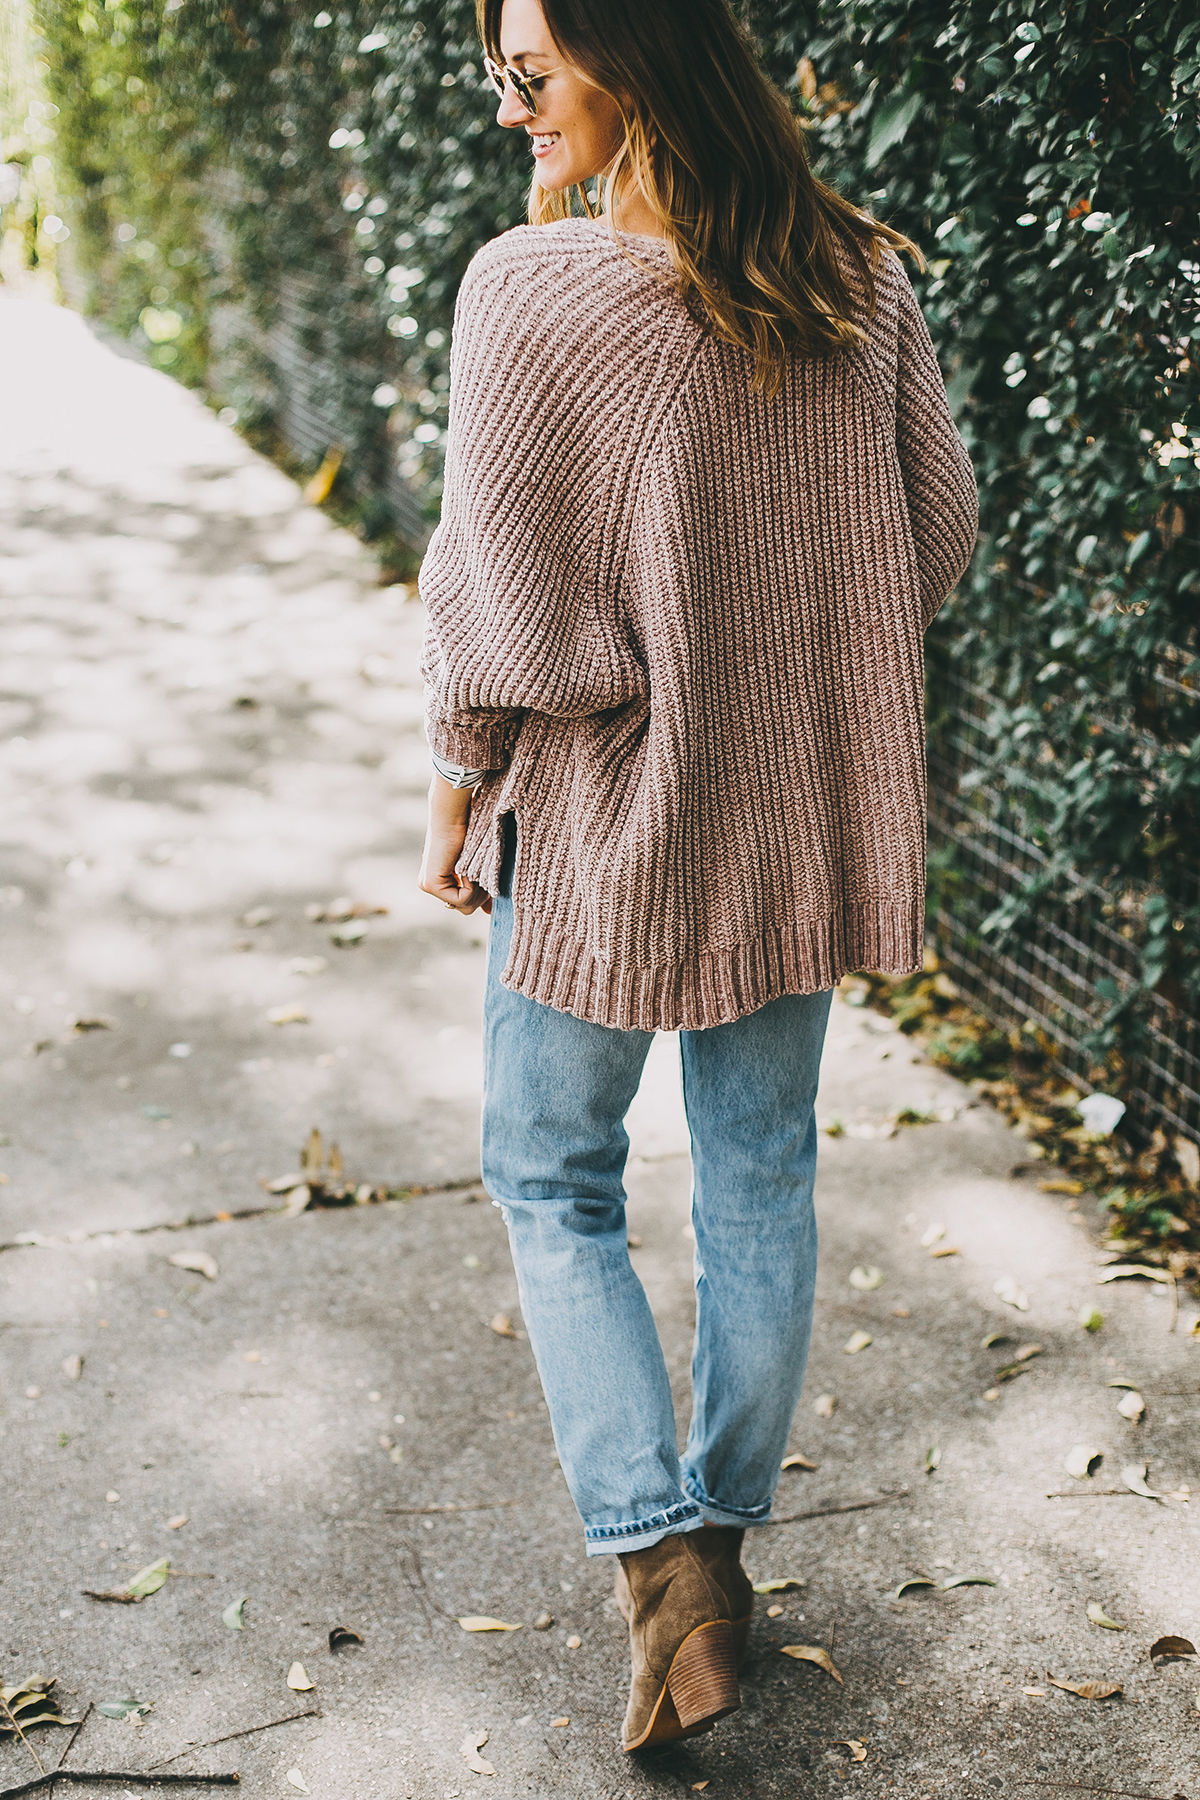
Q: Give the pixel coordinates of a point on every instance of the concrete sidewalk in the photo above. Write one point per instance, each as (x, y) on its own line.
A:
(211, 714)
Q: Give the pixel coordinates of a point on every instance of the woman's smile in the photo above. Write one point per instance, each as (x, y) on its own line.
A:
(543, 142)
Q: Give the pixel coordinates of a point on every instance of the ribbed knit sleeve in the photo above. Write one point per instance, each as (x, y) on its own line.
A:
(943, 507)
(521, 578)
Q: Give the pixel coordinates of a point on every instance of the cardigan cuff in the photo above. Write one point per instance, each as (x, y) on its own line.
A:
(484, 746)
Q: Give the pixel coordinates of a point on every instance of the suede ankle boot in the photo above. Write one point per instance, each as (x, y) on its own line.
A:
(680, 1640)
(719, 1548)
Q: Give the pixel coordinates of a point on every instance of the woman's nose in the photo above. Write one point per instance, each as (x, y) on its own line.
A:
(510, 112)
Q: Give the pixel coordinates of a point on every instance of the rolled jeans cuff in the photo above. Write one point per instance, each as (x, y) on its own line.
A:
(715, 1514)
(639, 1534)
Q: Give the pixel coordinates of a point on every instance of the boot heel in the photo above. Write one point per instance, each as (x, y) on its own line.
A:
(702, 1680)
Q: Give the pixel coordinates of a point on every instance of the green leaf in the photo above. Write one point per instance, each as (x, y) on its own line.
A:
(890, 123)
(148, 1580)
(124, 1709)
(233, 1614)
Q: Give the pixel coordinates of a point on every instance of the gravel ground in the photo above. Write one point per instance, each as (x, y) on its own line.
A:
(210, 713)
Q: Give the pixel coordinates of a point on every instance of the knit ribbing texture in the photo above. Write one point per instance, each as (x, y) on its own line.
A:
(680, 623)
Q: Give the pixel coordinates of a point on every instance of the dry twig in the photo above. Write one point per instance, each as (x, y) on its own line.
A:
(476, 1506)
(1089, 1787)
(310, 1712)
(71, 1740)
(849, 1506)
(137, 1777)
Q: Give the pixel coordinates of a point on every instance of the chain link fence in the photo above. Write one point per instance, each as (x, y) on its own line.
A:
(1065, 968)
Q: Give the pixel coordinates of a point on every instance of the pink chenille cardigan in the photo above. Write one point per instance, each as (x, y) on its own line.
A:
(680, 623)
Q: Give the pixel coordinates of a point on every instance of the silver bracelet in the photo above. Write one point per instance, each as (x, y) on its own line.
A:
(455, 773)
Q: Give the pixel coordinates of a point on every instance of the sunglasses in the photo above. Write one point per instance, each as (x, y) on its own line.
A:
(502, 74)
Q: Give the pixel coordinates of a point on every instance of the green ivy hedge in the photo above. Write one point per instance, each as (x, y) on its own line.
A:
(1048, 159)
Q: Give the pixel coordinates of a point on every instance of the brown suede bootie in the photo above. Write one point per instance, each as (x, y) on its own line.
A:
(680, 1640)
(719, 1548)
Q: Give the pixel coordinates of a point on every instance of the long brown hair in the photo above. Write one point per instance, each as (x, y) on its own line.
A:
(759, 244)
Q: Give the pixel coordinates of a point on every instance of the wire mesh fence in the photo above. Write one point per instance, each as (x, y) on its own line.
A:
(1066, 967)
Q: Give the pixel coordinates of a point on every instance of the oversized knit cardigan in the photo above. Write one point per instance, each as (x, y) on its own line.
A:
(680, 623)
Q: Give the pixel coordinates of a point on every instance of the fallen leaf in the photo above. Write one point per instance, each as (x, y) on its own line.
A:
(775, 1612)
(858, 1340)
(813, 1653)
(81, 1026)
(957, 1581)
(502, 1325)
(865, 1279)
(560, 1724)
(901, 1312)
(343, 1637)
(908, 1587)
(543, 1622)
(297, 1680)
(1131, 1406)
(1060, 1187)
(780, 1584)
(1082, 1461)
(1027, 1351)
(343, 908)
(30, 1703)
(199, 1261)
(1098, 1616)
(931, 1234)
(574, 1643)
(347, 935)
(1122, 1271)
(1087, 1690)
(470, 1747)
(993, 1338)
(177, 1522)
(1010, 1371)
(1036, 1693)
(147, 1581)
(72, 1367)
(124, 1709)
(1172, 1646)
(258, 915)
(297, 1780)
(825, 1405)
(945, 1250)
(796, 1461)
(234, 1614)
(857, 1749)
(1134, 1477)
(481, 1622)
(1091, 1318)
(1011, 1294)
(698, 1787)
(1119, 1381)
(291, 1014)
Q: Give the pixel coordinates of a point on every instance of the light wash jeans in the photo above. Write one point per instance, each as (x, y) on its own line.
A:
(556, 1091)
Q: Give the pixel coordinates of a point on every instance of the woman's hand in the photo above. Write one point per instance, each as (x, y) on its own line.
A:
(449, 810)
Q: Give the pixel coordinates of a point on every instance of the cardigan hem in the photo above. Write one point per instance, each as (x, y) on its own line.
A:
(716, 987)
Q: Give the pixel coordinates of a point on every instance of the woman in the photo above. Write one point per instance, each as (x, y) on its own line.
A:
(703, 495)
